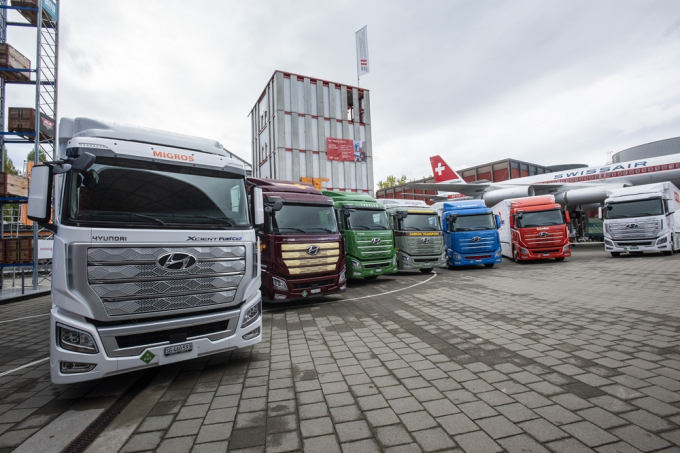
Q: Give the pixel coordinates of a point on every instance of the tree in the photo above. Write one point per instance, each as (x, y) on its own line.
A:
(392, 181)
(9, 165)
(31, 155)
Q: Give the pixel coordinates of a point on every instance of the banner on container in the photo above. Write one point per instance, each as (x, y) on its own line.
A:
(345, 150)
(45, 249)
(51, 7)
(362, 52)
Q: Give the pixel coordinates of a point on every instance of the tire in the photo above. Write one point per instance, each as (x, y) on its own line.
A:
(667, 252)
(515, 256)
(427, 270)
(559, 259)
(450, 266)
(489, 264)
(616, 254)
(371, 277)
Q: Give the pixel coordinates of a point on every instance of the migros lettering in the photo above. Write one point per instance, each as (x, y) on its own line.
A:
(173, 156)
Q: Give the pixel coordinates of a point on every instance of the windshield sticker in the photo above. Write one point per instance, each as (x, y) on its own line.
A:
(228, 238)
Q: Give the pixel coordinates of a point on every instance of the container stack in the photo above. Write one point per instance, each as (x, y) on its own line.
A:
(13, 186)
(10, 58)
(23, 120)
(32, 16)
(16, 250)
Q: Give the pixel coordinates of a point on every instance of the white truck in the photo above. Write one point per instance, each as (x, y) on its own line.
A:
(155, 255)
(642, 219)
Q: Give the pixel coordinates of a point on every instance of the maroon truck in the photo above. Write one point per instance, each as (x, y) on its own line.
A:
(302, 253)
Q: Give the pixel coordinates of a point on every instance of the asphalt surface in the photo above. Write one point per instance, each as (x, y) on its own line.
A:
(582, 355)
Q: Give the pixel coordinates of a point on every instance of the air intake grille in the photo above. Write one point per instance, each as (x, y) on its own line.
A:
(171, 335)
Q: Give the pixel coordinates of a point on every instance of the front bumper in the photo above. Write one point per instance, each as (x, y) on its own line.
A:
(110, 362)
(471, 259)
(304, 288)
(370, 268)
(563, 251)
(405, 261)
(658, 244)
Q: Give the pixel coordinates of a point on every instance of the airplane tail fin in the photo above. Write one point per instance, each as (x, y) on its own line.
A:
(443, 172)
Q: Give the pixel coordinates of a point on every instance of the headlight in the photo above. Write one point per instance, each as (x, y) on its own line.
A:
(498, 253)
(608, 242)
(456, 256)
(279, 284)
(565, 248)
(75, 340)
(524, 251)
(394, 260)
(356, 264)
(342, 276)
(406, 257)
(252, 334)
(251, 315)
(663, 240)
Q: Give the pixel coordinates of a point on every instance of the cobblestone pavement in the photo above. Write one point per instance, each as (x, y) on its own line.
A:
(577, 356)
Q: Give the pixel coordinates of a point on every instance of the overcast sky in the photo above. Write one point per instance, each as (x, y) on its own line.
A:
(474, 81)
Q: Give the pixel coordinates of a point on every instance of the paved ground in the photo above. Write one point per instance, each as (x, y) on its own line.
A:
(565, 357)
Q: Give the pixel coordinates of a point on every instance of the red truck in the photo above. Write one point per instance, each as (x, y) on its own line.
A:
(301, 249)
(533, 228)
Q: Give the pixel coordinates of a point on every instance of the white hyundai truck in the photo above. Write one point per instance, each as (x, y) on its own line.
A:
(642, 219)
(155, 256)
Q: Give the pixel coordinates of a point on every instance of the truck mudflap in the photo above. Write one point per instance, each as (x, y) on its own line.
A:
(408, 262)
(287, 290)
(363, 269)
(69, 366)
(462, 259)
(556, 252)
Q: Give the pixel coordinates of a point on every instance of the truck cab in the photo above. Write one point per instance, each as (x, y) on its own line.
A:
(642, 219)
(533, 228)
(155, 257)
(301, 249)
(471, 233)
(417, 233)
(368, 239)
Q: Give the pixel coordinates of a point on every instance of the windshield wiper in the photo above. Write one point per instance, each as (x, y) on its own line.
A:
(200, 216)
(134, 214)
(324, 229)
(378, 227)
(411, 228)
(352, 227)
(291, 228)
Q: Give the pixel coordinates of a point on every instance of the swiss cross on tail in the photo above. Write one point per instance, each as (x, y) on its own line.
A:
(443, 172)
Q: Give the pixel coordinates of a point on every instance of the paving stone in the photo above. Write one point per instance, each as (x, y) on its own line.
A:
(589, 434)
(477, 442)
(415, 421)
(176, 445)
(381, 417)
(142, 442)
(516, 412)
(571, 402)
(656, 407)
(322, 444)
(611, 404)
(457, 424)
(282, 423)
(352, 431)
(639, 438)
(477, 409)
(568, 446)
(404, 405)
(521, 444)
(389, 436)
(648, 421)
(361, 446)
(367, 403)
(498, 427)
(618, 447)
(345, 414)
(283, 442)
(214, 433)
(542, 430)
(184, 428)
(532, 400)
(434, 439)
(602, 418)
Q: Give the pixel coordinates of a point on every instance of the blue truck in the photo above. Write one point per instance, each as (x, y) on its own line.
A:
(470, 234)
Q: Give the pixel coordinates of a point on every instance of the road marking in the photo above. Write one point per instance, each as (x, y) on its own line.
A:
(24, 366)
(25, 317)
(357, 298)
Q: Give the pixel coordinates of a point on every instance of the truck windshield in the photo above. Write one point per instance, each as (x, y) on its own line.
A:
(540, 218)
(420, 222)
(152, 194)
(474, 222)
(638, 208)
(303, 218)
(367, 219)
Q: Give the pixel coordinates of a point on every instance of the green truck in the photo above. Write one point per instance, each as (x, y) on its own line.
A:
(369, 241)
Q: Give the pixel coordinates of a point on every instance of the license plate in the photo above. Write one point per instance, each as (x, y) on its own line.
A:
(178, 349)
(634, 248)
(546, 254)
(315, 291)
(426, 264)
(378, 270)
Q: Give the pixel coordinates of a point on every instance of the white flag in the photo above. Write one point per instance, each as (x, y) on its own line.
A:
(362, 52)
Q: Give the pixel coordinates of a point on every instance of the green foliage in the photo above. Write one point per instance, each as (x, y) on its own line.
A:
(392, 181)
(9, 165)
(31, 155)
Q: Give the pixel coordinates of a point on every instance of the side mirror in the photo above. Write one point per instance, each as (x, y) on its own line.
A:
(83, 162)
(498, 222)
(40, 194)
(276, 206)
(520, 215)
(258, 207)
(566, 216)
(512, 221)
(600, 214)
(401, 215)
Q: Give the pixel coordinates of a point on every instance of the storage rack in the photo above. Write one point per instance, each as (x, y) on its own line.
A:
(45, 81)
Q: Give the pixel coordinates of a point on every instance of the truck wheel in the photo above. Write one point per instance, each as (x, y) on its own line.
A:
(515, 256)
(559, 259)
(450, 266)
(371, 277)
(616, 254)
(489, 264)
(667, 252)
(426, 270)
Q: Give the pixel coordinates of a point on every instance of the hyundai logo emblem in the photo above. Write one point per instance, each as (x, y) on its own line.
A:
(632, 225)
(543, 234)
(176, 261)
(425, 240)
(313, 250)
(376, 241)
(476, 239)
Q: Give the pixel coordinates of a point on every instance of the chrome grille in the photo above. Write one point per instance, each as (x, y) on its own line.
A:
(544, 238)
(485, 244)
(642, 229)
(368, 250)
(129, 281)
(417, 247)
